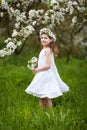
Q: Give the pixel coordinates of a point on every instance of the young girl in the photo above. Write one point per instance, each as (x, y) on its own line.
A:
(47, 83)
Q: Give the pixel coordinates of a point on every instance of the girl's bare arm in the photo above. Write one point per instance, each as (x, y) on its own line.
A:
(48, 62)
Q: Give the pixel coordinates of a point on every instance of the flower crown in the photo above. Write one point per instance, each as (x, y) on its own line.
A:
(48, 32)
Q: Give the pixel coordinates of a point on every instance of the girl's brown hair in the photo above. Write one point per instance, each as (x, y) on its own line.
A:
(54, 48)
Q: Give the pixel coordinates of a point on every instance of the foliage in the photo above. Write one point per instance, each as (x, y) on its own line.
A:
(28, 16)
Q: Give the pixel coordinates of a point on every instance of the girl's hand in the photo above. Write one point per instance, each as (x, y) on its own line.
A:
(35, 70)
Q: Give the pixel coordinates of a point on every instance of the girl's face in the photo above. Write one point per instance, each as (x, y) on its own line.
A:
(45, 40)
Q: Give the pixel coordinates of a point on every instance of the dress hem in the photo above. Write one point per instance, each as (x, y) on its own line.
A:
(44, 95)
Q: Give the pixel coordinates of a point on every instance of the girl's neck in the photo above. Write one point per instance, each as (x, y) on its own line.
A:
(46, 47)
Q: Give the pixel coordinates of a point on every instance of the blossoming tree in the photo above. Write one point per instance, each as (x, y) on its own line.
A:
(28, 16)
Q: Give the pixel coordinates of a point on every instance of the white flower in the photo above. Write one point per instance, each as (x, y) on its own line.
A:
(4, 4)
(74, 20)
(12, 10)
(70, 7)
(18, 5)
(9, 52)
(8, 40)
(2, 53)
(32, 63)
(70, 3)
(32, 66)
(48, 32)
(15, 33)
(19, 43)
(1, 14)
(17, 25)
(32, 13)
(26, 31)
(11, 45)
(59, 16)
(53, 2)
(33, 60)
(17, 12)
(33, 23)
(75, 3)
(81, 9)
(41, 11)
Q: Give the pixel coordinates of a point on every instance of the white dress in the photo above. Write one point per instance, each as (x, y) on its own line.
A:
(47, 83)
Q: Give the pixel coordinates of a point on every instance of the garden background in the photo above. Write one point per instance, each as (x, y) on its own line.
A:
(20, 111)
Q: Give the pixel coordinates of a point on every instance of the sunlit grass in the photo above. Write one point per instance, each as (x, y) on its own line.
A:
(20, 111)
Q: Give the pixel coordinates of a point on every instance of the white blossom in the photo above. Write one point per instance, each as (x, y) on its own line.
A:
(15, 33)
(25, 32)
(33, 60)
(17, 25)
(74, 20)
(11, 45)
(32, 13)
(32, 63)
(34, 23)
(75, 3)
(8, 40)
(81, 9)
(70, 7)
(59, 17)
(19, 43)
(53, 2)
(9, 52)
(18, 5)
(1, 14)
(21, 17)
(24, 25)
(4, 5)
(48, 32)
(2, 53)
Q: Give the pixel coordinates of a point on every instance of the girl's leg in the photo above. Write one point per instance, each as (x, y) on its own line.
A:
(49, 103)
(42, 103)
(45, 101)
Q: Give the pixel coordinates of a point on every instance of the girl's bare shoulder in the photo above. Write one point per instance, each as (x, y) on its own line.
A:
(48, 50)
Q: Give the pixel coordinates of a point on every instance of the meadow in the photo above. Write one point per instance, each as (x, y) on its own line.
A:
(20, 111)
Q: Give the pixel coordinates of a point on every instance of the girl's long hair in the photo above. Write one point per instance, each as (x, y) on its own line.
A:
(54, 48)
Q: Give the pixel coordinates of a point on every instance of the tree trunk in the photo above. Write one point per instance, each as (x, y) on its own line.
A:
(19, 50)
(69, 51)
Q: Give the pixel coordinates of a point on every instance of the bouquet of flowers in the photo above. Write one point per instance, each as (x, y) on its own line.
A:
(32, 63)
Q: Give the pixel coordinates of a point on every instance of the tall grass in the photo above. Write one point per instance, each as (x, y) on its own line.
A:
(20, 111)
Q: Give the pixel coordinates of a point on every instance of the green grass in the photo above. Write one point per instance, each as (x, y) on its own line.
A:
(20, 111)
